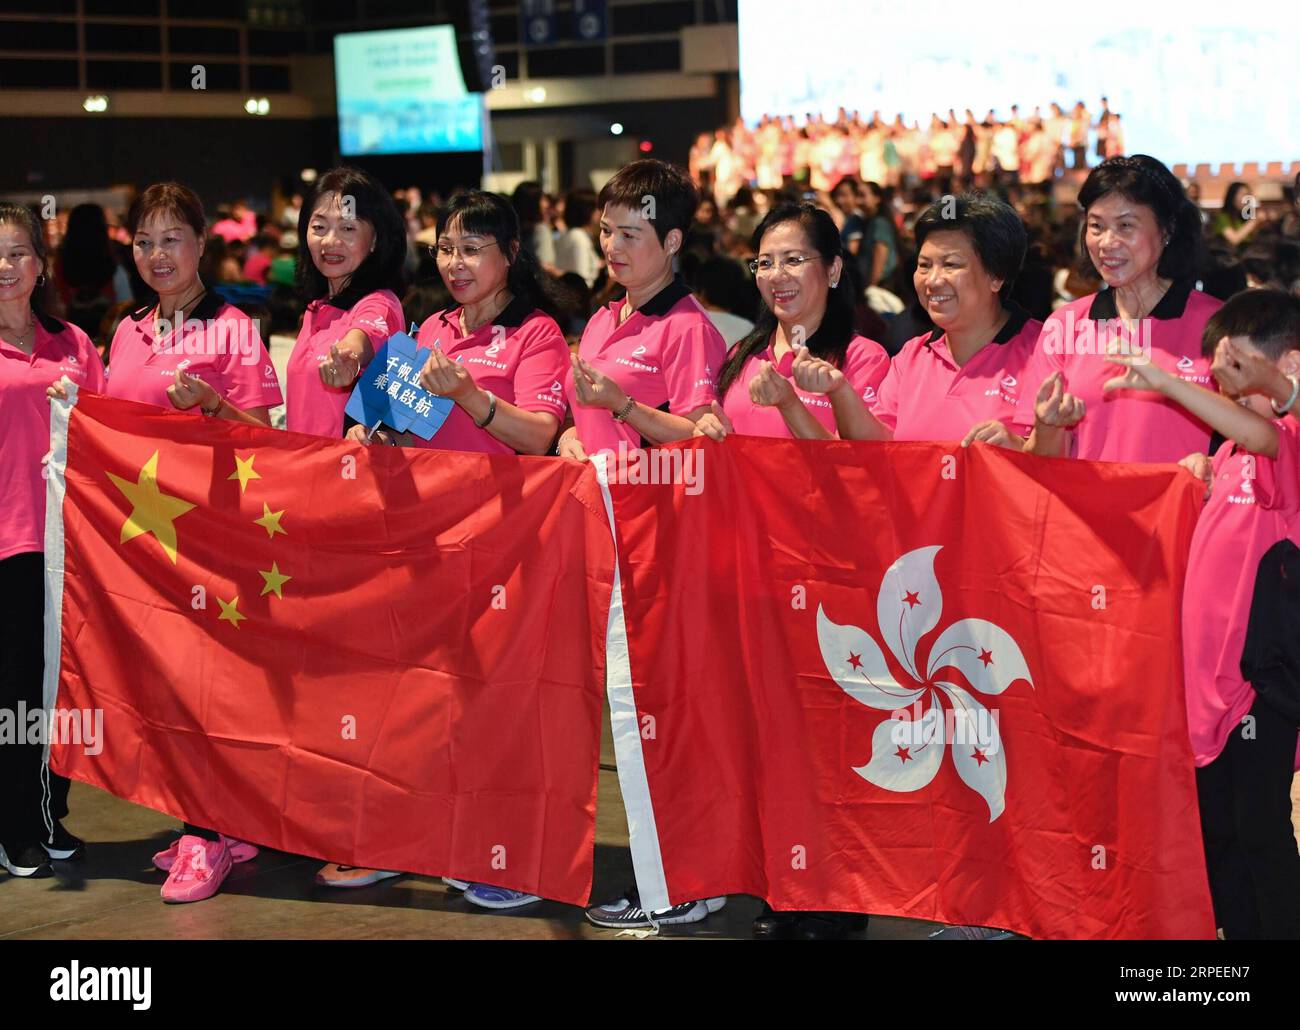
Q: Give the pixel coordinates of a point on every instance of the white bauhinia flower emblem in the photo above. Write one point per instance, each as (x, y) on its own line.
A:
(906, 754)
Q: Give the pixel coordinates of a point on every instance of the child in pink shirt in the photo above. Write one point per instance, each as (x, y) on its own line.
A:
(1244, 746)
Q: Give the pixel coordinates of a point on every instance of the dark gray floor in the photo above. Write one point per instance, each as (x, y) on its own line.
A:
(113, 892)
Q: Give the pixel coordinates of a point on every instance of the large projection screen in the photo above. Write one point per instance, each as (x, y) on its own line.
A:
(402, 92)
(1194, 81)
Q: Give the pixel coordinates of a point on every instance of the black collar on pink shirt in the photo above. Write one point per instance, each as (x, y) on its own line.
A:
(1172, 304)
(207, 308)
(666, 299)
(1017, 317)
(512, 316)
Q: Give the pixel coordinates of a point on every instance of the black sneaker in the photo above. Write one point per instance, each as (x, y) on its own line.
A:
(62, 845)
(30, 861)
(626, 913)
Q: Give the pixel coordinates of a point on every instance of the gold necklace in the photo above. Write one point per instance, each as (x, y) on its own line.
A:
(22, 343)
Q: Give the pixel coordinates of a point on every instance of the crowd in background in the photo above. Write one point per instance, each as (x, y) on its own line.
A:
(953, 150)
(251, 251)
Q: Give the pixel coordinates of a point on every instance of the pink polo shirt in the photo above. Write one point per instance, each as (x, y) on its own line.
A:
(1253, 504)
(1127, 425)
(58, 350)
(310, 405)
(865, 365)
(666, 356)
(520, 357)
(218, 343)
(928, 396)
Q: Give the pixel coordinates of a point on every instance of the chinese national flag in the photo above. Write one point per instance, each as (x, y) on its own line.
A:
(373, 656)
(908, 679)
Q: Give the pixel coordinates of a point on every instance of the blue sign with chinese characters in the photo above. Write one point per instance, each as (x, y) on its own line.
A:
(389, 391)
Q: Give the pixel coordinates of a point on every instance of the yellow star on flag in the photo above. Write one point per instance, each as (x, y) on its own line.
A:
(230, 611)
(152, 511)
(244, 471)
(275, 579)
(270, 520)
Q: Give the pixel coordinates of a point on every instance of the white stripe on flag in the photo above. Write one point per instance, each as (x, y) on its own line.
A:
(56, 486)
(647, 860)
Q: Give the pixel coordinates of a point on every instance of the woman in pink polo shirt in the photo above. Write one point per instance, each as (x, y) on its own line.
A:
(1142, 235)
(808, 307)
(188, 349)
(35, 350)
(962, 380)
(807, 303)
(500, 355)
(351, 248)
(644, 373)
(646, 364)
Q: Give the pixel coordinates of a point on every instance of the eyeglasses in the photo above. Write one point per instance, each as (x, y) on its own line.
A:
(766, 266)
(470, 252)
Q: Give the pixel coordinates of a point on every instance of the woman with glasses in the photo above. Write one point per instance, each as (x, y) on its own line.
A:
(500, 356)
(351, 246)
(807, 303)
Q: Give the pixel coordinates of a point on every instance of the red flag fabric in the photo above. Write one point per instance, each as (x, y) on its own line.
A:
(907, 679)
(376, 657)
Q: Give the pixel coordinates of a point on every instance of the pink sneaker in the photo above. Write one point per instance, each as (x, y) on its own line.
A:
(200, 868)
(240, 851)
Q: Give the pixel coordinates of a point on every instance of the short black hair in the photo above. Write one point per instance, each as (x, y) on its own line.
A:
(1268, 318)
(578, 205)
(674, 195)
(1146, 181)
(384, 267)
(992, 226)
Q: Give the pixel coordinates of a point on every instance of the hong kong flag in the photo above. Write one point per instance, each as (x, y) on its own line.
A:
(373, 656)
(907, 679)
